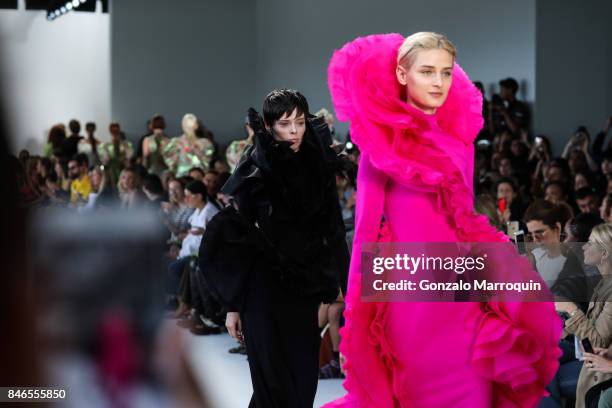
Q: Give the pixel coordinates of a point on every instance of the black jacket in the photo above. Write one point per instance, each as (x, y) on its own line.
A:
(288, 224)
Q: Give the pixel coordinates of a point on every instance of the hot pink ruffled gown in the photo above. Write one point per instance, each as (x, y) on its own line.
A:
(416, 170)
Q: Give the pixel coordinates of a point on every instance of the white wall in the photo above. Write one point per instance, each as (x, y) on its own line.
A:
(53, 72)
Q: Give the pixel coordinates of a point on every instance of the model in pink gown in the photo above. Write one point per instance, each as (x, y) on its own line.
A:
(416, 169)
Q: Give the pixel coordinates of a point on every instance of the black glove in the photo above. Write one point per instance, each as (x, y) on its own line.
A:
(259, 129)
(274, 149)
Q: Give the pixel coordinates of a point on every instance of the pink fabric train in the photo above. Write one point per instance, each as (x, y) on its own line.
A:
(416, 170)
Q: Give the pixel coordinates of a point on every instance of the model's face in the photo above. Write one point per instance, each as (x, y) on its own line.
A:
(290, 128)
(428, 79)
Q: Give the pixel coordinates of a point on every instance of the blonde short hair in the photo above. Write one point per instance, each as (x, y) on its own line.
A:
(424, 40)
(602, 236)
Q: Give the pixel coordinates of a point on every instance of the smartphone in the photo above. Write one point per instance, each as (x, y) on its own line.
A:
(587, 346)
(501, 204)
(512, 227)
(538, 140)
(519, 238)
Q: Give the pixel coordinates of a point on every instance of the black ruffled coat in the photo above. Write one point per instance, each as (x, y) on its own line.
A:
(288, 224)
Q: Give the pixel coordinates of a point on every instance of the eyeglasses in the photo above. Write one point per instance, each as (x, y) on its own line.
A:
(538, 233)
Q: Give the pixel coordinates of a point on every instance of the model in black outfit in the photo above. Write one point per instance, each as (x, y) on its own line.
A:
(283, 252)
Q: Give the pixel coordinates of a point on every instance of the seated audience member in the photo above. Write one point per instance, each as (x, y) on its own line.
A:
(80, 187)
(197, 173)
(555, 192)
(596, 324)
(130, 192)
(587, 200)
(545, 222)
(154, 191)
(55, 196)
(195, 197)
(514, 208)
(600, 361)
(102, 194)
(211, 181)
(176, 215)
(221, 167)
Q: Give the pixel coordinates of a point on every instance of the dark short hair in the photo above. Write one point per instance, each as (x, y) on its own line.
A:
(199, 170)
(584, 192)
(607, 156)
(581, 225)
(81, 159)
(74, 126)
(283, 101)
(90, 125)
(510, 83)
(197, 187)
(153, 184)
(548, 213)
(158, 122)
(507, 180)
(558, 184)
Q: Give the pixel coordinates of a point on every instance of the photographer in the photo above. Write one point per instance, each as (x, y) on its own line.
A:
(506, 111)
(576, 151)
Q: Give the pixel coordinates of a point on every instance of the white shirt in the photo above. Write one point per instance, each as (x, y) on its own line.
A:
(548, 268)
(199, 219)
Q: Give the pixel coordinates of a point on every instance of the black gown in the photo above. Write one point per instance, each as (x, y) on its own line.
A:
(277, 257)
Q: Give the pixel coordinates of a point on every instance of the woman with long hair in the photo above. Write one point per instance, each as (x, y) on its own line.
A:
(414, 114)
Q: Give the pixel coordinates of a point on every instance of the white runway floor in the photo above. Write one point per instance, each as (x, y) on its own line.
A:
(226, 377)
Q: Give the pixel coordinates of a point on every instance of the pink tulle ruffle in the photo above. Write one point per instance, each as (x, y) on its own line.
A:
(518, 354)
